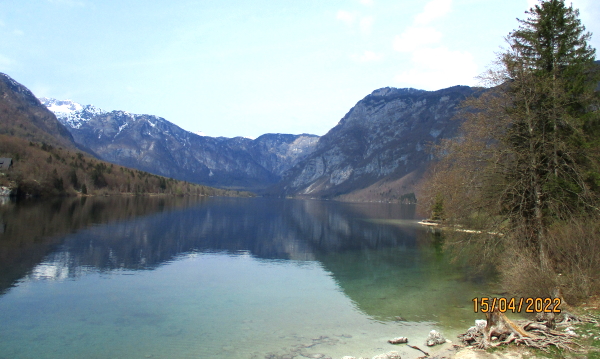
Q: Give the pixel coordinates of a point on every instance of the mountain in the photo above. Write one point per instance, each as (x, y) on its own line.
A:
(153, 144)
(22, 115)
(378, 150)
(45, 160)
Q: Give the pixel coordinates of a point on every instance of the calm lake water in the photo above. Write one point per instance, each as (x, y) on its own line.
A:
(222, 278)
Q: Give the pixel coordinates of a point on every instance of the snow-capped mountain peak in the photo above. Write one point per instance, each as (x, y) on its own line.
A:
(69, 112)
(63, 107)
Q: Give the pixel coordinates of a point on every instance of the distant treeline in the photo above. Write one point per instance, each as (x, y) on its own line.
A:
(40, 169)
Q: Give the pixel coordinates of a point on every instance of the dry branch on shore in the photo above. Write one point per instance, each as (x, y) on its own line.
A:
(540, 334)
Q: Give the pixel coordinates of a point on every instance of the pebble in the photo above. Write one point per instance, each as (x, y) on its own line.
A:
(388, 355)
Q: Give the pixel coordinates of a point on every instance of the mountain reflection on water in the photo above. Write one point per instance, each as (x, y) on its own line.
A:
(32, 229)
(377, 254)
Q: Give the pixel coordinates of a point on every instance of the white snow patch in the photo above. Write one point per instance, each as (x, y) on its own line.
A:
(121, 128)
(64, 107)
(70, 113)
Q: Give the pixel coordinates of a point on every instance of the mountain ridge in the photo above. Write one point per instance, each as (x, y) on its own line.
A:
(153, 144)
(23, 115)
(379, 146)
(46, 161)
(377, 151)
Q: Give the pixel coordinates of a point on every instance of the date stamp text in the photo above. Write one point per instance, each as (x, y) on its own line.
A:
(517, 305)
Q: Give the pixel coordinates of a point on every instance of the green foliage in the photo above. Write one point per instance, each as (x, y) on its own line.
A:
(549, 94)
(408, 198)
(528, 156)
(73, 178)
(437, 210)
(98, 175)
(46, 147)
(57, 181)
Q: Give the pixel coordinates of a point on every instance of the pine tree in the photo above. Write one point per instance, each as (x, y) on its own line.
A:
(549, 76)
(526, 164)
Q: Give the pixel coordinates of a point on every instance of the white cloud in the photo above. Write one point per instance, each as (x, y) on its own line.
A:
(433, 10)
(416, 37)
(431, 65)
(436, 68)
(367, 56)
(346, 17)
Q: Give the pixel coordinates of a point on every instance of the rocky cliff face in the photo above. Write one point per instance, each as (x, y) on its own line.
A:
(375, 149)
(153, 144)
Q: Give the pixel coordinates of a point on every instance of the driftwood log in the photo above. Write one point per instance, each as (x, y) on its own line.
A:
(497, 330)
(398, 340)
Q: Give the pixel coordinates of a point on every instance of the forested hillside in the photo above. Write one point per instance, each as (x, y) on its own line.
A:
(46, 161)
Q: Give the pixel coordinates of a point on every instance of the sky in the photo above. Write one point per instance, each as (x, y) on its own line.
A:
(248, 67)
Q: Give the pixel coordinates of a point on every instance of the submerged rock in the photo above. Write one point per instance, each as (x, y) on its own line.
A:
(435, 338)
(388, 355)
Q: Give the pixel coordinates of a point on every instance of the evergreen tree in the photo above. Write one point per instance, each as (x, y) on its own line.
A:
(524, 171)
(550, 77)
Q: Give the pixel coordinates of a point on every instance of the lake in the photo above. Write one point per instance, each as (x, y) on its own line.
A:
(140, 277)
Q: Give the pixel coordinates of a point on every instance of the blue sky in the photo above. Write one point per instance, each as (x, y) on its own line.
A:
(244, 68)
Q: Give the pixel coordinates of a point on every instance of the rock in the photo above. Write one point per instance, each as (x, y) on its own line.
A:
(388, 355)
(398, 340)
(570, 331)
(6, 191)
(435, 338)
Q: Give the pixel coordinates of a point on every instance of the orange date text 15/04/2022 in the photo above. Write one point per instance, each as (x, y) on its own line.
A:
(517, 305)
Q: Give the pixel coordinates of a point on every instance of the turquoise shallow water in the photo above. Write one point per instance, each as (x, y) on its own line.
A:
(223, 278)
